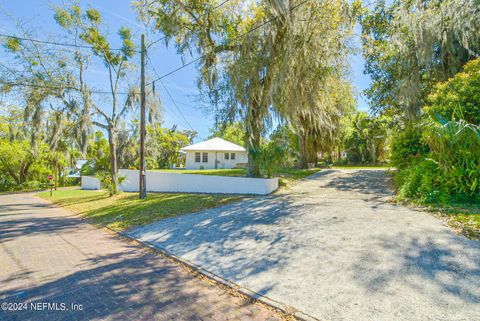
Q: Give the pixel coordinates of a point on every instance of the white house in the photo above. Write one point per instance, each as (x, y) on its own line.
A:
(214, 153)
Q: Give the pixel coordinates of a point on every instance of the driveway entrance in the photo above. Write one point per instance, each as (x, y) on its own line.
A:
(334, 249)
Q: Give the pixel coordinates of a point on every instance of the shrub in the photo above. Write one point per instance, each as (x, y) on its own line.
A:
(408, 146)
(455, 145)
(31, 186)
(270, 157)
(459, 97)
(107, 183)
(87, 169)
(451, 172)
(419, 181)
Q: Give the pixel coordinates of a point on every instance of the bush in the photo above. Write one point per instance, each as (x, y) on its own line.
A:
(71, 181)
(408, 147)
(88, 169)
(270, 157)
(31, 186)
(107, 183)
(459, 97)
(455, 145)
(451, 171)
(420, 182)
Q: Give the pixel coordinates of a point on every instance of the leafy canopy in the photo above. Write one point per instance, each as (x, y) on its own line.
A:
(458, 97)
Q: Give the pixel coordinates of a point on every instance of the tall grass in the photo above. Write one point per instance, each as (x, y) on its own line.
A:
(455, 146)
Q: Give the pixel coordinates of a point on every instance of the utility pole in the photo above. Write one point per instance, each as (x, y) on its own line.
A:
(143, 170)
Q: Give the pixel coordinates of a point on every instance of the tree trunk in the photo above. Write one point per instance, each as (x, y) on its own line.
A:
(24, 169)
(113, 159)
(373, 152)
(11, 133)
(303, 156)
(253, 130)
(56, 171)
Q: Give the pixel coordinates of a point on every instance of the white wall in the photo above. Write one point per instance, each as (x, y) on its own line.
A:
(240, 157)
(90, 182)
(190, 160)
(192, 183)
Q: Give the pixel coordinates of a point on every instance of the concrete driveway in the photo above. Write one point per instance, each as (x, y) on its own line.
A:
(332, 248)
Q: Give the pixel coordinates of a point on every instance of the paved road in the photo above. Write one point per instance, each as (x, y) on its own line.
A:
(334, 249)
(49, 256)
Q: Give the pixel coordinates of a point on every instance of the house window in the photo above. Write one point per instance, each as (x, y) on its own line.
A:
(232, 156)
(226, 155)
(204, 157)
(197, 157)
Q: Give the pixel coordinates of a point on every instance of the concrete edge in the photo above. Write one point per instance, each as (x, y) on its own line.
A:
(288, 310)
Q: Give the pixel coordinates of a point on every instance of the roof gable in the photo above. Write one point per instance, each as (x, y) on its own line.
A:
(215, 144)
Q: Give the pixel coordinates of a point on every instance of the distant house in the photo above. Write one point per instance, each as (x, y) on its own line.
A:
(76, 171)
(214, 153)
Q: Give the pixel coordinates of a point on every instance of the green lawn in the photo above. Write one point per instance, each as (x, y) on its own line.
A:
(286, 175)
(126, 210)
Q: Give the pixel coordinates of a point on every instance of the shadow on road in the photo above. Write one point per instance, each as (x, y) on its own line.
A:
(117, 287)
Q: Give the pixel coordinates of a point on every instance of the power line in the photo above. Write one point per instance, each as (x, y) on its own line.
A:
(172, 114)
(176, 69)
(176, 106)
(16, 84)
(236, 38)
(207, 12)
(54, 42)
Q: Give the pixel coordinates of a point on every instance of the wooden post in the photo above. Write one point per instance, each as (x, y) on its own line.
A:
(143, 170)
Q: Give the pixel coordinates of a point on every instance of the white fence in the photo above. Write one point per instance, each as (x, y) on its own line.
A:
(189, 183)
(90, 182)
(193, 183)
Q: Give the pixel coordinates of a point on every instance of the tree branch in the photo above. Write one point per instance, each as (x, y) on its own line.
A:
(101, 112)
(96, 123)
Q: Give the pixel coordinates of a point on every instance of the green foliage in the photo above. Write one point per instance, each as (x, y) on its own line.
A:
(286, 142)
(13, 44)
(90, 28)
(107, 183)
(63, 18)
(410, 45)
(234, 132)
(459, 97)
(94, 16)
(420, 182)
(408, 146)
(455, 146)
(450, 173)
(22, 167)
(98, 155)
(32, 186)
(366, 138)
(255, 77)
(270, 157)
(163, 146)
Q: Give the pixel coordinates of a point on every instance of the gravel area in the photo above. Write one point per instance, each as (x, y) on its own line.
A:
(333, 248)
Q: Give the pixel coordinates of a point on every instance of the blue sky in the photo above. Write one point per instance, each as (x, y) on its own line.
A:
(181, 85)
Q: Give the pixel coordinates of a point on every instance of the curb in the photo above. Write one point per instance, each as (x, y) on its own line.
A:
(281, 307)
(287, 310)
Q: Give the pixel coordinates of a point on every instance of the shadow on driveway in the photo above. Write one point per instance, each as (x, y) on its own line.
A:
(327, 251)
